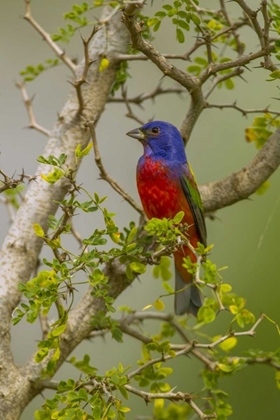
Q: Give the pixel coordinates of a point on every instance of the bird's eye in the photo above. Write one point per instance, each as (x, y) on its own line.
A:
(155, 130)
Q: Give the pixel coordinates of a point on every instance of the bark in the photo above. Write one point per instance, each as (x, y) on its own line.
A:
(22, 247)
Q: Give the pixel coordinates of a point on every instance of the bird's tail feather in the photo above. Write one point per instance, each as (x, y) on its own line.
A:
(189, 299)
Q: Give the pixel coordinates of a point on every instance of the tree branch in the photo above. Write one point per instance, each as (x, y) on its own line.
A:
(21, 247)
(139, 99)
(104, 175)
(61, 54)
(172, 396)
(28, 105)
(240, 185)
(87, 63)
(243, 111)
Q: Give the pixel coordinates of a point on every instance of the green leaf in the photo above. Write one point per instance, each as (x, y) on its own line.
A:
(152, 21)
(124, 392)
(275, 74)
(124, 409)
(104, 64)
(195, 19)
(179, 217)
(58, 331)
(117, 334)
(206, 314)
(167, 287)
(180, 36)
(184, 25)
(201, 61)
(54, 176)
(159, 305)
(132, 234)
(38, 230)
(157, 26)
(160, 14)
(138, 267)
(167, 7)
(263, 188)
(229, 84)
(81, 153)
(194, 69)
(277, 379)
(228, 344)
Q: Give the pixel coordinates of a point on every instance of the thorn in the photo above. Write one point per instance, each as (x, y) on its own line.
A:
(241, 77)
(247, 68)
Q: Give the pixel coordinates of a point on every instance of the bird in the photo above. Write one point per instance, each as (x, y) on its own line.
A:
(166, 186)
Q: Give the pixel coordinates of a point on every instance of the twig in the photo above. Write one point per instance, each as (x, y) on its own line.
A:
(135, 29)
(130, 113)
(60, 53)
(124, 326)
(172, 396)
(243, 111)
(139, 99)
(185, 57)
(238, 62)
(236, 72)
(240, 46)
(104, 175)
(10, 183)
(87, 63)
(28, 105)
(67, 214)
(76, 234)
(263, 34)
(250, 333)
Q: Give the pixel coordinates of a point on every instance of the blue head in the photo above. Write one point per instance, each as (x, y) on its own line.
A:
(161, 140)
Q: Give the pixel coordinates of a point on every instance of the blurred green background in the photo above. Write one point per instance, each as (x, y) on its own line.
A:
(246, 235)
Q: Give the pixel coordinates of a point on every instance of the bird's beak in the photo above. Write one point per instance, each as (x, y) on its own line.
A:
(137, 134)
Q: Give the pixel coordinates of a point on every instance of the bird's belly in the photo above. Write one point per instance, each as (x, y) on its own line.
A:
(158, 202)
(161, 195)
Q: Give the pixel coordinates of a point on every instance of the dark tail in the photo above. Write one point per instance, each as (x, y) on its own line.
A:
(188, 300)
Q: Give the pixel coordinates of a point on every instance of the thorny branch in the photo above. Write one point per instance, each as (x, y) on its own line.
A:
(8, 183)
(103, 173)
(139, 99)
(93, 386)
(236, 72)
(243, 111)
(28, 105)
(187, 56)
(262, 33)
(58, 51)
(240, 45)
(130, 113)
(87, 63)
(172, 396)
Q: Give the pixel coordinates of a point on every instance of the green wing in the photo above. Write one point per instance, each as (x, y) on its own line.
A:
(192, 194)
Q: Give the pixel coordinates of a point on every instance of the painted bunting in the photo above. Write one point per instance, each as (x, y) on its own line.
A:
(166, 185)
